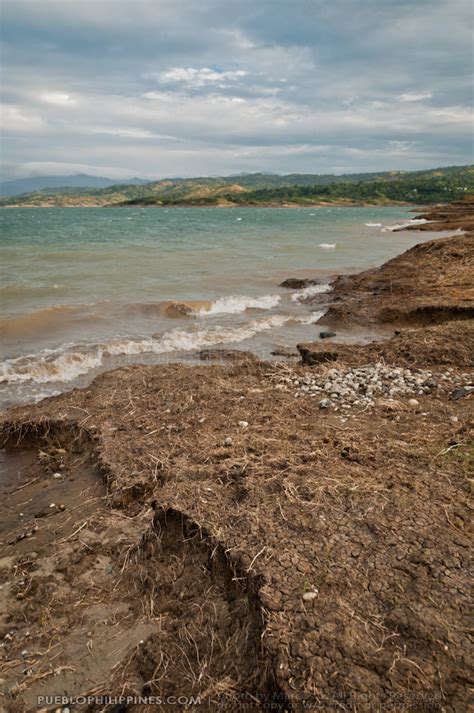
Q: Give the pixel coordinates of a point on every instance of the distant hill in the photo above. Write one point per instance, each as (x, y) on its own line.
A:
(438, 185)
(39, 183)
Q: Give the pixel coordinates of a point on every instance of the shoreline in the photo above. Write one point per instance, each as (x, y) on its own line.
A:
(233, 495)
(317, 204)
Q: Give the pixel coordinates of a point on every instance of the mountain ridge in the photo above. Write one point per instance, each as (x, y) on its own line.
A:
(417, 187)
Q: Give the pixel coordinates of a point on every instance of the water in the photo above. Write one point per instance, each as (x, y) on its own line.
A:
(87, 289)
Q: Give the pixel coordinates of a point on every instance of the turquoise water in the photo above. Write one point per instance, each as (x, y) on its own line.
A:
(81, 287)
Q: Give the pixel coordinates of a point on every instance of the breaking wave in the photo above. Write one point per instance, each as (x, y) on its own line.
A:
(327, 246)
(238, 303)
(59, 365)
(310, 291)
(400, 226)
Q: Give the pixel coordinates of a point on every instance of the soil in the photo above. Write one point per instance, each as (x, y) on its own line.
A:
(214, 537)
(430, 283)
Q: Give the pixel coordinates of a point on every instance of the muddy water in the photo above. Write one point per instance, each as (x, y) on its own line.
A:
(84, 290)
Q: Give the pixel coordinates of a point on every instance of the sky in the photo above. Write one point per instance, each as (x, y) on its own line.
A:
(158, 88)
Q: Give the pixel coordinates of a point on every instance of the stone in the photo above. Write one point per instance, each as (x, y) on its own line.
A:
(413, 403)
(310, 596)
(243, 424)
(324, 403)
(228, 441)
(327, 334)
(460, 393)
(298, 283)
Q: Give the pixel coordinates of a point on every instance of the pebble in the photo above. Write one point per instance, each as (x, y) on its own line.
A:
(228, 441)
(362, 386)
(57, 475)
(310, 596)
(453, 419)
(243, 424)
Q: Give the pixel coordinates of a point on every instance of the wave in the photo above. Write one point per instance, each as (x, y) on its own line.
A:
(373, 225)
(49, 366)
(45, 320)
(309, 291)
(58, 365)
(328, 246)
(400, 226)
(235, 304)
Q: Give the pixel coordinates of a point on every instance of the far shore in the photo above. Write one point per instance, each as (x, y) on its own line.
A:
(319, 204)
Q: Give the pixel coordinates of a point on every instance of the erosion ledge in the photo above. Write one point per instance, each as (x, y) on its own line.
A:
(199, 531)
(430, 283)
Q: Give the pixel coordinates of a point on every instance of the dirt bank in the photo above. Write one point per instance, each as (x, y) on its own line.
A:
(433, 282)
(199, 531)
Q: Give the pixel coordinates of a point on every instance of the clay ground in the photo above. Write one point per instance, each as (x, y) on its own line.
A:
(304, 561)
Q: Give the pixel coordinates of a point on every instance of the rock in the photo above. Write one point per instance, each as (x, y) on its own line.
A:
(312, 354)
(57, 475)
(453, 419)
(324, 403)
(228, 441)
(460, 393)
(310, 596)
(298, 283)
(413, 403)
(285, 352)
(178, 309)
(327, 335)
(243, 424)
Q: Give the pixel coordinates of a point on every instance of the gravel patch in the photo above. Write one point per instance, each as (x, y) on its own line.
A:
(361, 386)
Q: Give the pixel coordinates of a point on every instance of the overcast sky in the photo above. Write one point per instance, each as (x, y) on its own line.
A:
(153, 88)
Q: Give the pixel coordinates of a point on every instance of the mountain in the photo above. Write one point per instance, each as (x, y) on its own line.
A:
(438, 185)
(53, 183)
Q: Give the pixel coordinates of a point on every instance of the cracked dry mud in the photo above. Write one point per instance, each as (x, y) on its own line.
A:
(185, 573)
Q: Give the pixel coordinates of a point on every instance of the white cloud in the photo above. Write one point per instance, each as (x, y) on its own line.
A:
(131, 133)
(19, 120)
(415, 96)
(58, 98)
(194, 77)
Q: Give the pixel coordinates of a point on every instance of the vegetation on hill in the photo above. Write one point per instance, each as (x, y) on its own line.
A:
(440, 185)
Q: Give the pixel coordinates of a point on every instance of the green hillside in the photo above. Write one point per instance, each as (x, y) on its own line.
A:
(418, 187)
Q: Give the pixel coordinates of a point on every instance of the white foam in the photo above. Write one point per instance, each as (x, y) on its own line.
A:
(327, 246)
(57, 365)
(234, 304)
(400, 226)
(309, 291)
(373, 225)
(49, 366)
(311, 318)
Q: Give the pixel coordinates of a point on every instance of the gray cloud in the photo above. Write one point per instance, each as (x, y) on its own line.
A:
(156, 88)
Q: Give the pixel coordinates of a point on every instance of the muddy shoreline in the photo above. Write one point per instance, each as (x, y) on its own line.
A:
(192, 530)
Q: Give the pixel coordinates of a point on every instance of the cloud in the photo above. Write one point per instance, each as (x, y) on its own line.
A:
(194, 77)
(415, 96)
(161, 88)
(58, 98)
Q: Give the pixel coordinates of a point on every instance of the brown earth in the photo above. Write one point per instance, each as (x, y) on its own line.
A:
(431, 283)
(213, 536)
